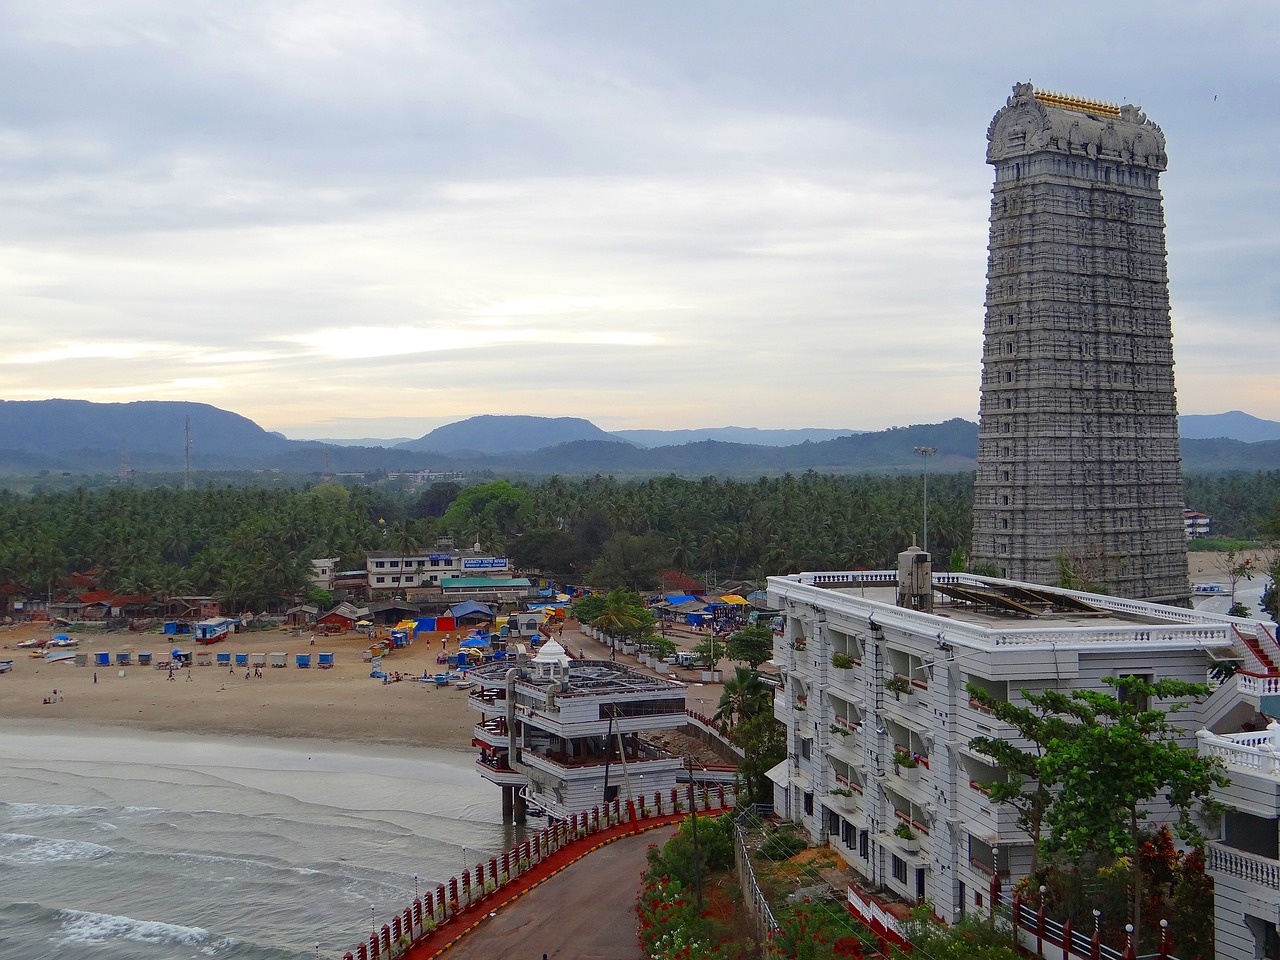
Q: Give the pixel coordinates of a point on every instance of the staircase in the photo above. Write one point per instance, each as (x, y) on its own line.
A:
(1265, 664)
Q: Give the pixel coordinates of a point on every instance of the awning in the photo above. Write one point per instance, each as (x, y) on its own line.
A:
(778, 774)
(733, 598)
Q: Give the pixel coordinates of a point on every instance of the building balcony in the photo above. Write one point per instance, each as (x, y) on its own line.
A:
(496, 771)
(1254, 752)
(1249, 867)
(492, 732)
(562, 767)
(487, 701)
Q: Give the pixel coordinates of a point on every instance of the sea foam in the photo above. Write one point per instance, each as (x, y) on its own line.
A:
(16, 848)
(81, 927)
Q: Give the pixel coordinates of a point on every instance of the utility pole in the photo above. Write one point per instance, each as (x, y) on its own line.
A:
(693, 829)
(926, 453)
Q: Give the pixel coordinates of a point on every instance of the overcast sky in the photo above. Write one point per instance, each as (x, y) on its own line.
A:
(367, 219)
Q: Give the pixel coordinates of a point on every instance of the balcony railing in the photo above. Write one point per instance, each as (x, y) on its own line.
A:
(1246, 866)
(1248, 751)
(1256, 685)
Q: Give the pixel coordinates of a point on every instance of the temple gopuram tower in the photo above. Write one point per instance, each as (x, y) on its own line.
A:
(1079, 472)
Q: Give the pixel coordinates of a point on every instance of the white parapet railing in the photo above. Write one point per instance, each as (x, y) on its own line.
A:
(1257, 686)
(1257, 752)
(1245, 866)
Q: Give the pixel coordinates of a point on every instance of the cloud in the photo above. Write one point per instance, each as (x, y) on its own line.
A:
(656, 215)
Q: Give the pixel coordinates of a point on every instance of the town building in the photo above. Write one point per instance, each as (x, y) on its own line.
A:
(1197, 525)
(566, 735)
(323, 570)
(387, 570)
(875, 667)
(1078, 458)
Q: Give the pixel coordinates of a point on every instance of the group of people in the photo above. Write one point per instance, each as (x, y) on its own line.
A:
(56, 698)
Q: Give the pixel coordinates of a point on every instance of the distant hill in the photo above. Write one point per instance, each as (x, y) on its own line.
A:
(1233, 425)
(515, 434)
(363, 441)
(141, 428)
(751, 435)
(81, 437)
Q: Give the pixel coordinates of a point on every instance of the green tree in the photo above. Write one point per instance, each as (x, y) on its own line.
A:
(764, 744)
(1028, 784)
(751, 645)
(1121, 754)
(743, 697)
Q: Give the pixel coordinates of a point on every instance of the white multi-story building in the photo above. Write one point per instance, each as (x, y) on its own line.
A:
(875, 668)
(566, 735)
(388, 570)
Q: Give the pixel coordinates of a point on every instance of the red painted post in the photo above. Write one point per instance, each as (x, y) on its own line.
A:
(506, 863)
(1040, 926)
(1166, 942)
(375, 946)
(493, 869)
(395, 929)
(466, 885)
(720, 795)
(631, 811)
(362, 951)
(453, 891)
(595, 817)
(440, 901)
(675, 798)
(1129, 953)
(348, 956)
(407, 924)
(386, 938)
(1068, 936)
(1095, 945)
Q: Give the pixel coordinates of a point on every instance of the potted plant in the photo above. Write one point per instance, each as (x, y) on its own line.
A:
(839, 730)
(903, 831)
(841, 661)
(898, 685)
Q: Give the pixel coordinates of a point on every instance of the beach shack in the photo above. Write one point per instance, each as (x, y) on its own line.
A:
(144, 659)
(302, 660)
(213, 630)
(258, 659)
(204, 659)
(224, 659)
(279, 658)
(102, 659)
(242, 659)
(324, 660)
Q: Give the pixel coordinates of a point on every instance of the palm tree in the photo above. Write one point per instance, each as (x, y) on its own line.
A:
(619, 615)
(744, 696)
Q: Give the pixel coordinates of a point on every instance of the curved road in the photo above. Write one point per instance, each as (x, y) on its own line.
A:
(582, 913)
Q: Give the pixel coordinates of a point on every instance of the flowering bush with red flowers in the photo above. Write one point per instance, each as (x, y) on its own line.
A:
(670, 928)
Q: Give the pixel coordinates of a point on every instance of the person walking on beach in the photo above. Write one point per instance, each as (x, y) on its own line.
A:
(188, 676)
(171, 671)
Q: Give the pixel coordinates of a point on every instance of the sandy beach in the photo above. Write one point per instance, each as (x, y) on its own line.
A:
(341, 704)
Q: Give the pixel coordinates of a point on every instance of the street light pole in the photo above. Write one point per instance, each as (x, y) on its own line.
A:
(926, 453)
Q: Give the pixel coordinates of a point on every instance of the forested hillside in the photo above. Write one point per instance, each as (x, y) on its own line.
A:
(250, 546)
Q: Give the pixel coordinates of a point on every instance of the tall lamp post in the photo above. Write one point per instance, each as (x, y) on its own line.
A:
(926, 453)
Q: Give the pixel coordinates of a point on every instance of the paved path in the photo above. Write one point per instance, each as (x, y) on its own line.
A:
(582, 913)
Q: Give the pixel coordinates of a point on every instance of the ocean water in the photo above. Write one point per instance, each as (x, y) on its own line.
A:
(141, 846)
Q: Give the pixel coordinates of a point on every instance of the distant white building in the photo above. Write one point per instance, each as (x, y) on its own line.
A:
(908, 642)
(388, 570)
(322, 571)
(566, 735)
(1197, 524)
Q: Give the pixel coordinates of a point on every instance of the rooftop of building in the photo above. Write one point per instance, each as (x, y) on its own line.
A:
(987, 611)
(586, 678)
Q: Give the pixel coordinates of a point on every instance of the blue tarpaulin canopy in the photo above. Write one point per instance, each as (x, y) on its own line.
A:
(474, 642)
(468, 608)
